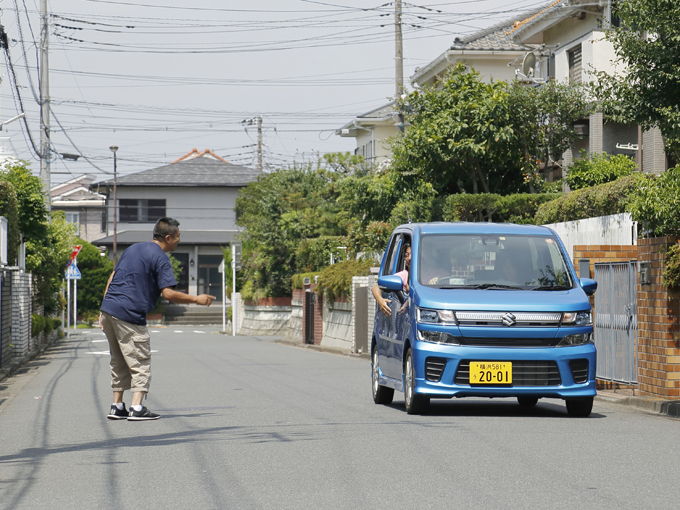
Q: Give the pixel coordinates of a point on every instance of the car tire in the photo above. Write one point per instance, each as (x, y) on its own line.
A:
(415, 404)
(527, 401)
(580, 407)
(381, 394)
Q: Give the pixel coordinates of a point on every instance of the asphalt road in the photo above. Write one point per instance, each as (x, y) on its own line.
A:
(249, 423)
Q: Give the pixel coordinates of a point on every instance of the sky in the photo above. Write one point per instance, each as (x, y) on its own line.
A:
(158, 78)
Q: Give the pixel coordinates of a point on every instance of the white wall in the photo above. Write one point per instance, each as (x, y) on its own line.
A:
(617, 229)
(195, 208)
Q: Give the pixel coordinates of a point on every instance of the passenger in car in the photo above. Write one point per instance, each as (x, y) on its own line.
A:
(384, 304)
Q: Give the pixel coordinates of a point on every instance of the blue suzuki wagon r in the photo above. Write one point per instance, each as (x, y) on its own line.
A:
(482, 310)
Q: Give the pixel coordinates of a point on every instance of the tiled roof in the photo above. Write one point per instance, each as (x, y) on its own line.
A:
(518, 24)
(379, 113)
(493, 38)
(197, 171)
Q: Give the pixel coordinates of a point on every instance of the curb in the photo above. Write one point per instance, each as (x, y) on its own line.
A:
(321, 348)
(670, 408)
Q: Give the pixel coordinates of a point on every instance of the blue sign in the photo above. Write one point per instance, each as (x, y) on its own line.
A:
(72, 273)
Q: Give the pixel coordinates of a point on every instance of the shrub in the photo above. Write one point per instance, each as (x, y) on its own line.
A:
(594, 169)
(37, 324)
(671, 272)
(90, 317)
(656, 206)
(297, 279)
(49, 325)
(517, 208)
(370, 239)
(315, 254)
(605, 199)
(336, 281)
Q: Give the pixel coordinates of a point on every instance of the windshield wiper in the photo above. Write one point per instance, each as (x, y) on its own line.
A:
(482, 286)
(552, 287)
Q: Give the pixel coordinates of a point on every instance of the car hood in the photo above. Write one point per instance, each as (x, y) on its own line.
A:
(497, 300)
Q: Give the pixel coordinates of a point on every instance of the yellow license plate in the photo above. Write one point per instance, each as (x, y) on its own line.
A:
(490, 372)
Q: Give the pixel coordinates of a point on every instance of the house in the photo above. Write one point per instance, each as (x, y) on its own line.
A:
(487, 51)
(372, 130)
(570, 40)
(84, 208)
(199, 190)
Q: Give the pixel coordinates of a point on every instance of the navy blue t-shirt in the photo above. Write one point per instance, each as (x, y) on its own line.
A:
(141, 273)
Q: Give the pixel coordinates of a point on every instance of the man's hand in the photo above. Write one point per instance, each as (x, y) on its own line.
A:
(100, 322)
(205, 299)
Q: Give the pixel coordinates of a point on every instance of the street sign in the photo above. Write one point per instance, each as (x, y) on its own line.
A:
(236, 255)
(72, 273)
(74, 254)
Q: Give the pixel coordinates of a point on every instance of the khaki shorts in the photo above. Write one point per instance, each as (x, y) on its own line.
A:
(130, 347)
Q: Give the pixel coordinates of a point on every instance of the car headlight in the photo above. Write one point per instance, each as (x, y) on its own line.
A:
(571, 340)
(428, 316)
(577, 319)
(437, 337)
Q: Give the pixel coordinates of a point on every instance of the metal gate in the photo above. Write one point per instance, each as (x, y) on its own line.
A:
(309, 317)
(616, 321)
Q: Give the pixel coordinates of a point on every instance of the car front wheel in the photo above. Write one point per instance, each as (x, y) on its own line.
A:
(580, 407)
(415, 404)
(381, 394)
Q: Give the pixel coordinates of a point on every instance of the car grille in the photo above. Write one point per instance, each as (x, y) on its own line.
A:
(524, 373)
(509, 342)
(434, 368)
(579, 370)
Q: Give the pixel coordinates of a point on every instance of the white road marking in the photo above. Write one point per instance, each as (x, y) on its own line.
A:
(107, 352)
(155, 331)
(178, 331)
(199, 332)
(98, 341)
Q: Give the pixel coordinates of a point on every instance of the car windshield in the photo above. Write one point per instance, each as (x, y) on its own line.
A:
(492, 262)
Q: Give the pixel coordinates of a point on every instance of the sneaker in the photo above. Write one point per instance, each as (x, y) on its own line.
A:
(117, 414)
(144, 414)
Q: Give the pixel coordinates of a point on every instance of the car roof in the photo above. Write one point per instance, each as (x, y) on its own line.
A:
(463, 227)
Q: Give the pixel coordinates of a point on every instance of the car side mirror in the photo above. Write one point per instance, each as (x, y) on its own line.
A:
(589, 286)
(391, 283)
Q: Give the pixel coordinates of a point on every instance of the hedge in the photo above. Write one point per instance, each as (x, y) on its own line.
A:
(9, 208)
(40, 324)
(336, 281)
(603, 200)
(297, 279)
(517, 208)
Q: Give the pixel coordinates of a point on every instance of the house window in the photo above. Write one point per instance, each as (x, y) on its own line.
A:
(133, 210)
(74, 219)
(575, 65)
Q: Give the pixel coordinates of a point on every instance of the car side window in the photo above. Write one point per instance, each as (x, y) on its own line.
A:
(392, 255)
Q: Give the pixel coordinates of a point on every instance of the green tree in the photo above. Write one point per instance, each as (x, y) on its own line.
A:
(656, 206)
(48, 237)
(476, 137)
(648, 92)
(95, 270)
(9, 208)
(278, 211)
(594, 169)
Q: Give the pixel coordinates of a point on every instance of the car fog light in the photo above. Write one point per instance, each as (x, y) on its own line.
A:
(570, 340)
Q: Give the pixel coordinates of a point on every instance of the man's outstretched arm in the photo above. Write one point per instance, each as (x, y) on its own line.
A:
(181, 298)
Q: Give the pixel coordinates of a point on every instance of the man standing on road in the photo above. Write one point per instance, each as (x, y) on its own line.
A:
(143, 272)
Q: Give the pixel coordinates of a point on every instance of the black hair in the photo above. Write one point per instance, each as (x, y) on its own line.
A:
(165, 227)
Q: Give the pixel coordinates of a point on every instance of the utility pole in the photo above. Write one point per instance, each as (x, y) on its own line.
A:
(45, 101)
(259, 143)
(251, 122)
(398, 59)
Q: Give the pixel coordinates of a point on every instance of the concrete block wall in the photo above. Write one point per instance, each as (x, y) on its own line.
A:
(653, 155)
(297, 324)
(6, 319)
(269, 316)
(359, 282)
(21, 313)
(337, 325)
(658, 325)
